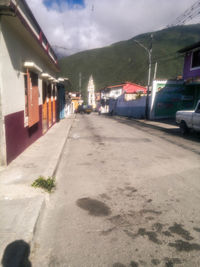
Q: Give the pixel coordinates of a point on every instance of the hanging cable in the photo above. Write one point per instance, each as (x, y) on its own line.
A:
(189, 14)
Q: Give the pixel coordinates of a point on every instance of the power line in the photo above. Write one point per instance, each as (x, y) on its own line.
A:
(191, 13)
(60, 47)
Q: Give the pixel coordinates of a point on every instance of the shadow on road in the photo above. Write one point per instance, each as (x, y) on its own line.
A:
(16, 254)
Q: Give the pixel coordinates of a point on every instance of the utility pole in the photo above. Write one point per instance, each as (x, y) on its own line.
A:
(80, 81)
(155, 71)
(149, 51)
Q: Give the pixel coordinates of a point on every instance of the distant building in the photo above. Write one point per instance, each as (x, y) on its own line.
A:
(128, 89)
(91, 93)
(76, 100)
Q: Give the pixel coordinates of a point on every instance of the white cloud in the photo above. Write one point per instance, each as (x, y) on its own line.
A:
(108, 22)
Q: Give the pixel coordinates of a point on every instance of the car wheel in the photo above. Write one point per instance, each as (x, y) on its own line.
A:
(183, 128)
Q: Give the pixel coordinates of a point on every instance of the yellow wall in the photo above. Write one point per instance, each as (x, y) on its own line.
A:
(75, 101)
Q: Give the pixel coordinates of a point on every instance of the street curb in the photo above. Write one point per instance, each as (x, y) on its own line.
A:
(41, 208)
(43, 204)
(63, 147)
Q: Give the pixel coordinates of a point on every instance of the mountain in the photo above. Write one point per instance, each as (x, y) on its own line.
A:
(128, 61)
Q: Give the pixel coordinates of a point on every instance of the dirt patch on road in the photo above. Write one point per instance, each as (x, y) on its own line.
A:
(108, 231)
(118, 264)
(151, 211)
(105, 196)
(155, 261)
(181, 245)
(94, 206)
(179, 230)
(134, 264)
(196, 229)
(169, 262)
(152, 236)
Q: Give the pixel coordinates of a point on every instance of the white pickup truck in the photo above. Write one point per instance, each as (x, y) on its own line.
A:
(189, 119)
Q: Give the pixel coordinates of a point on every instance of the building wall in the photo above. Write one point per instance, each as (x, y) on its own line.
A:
(187, 72)
(75, 104)
(157, 85)
(114, 93)
(2, 128)
(173, 97)
(134, 108)
(19, 46)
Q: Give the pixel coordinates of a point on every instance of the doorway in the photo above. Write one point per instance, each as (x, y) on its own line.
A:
(49, 105)
(44, 107)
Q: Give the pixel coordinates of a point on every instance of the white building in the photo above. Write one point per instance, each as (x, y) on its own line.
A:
(91, 93)
(28, 70)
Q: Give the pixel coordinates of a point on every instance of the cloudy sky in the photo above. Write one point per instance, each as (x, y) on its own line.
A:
(85, 24)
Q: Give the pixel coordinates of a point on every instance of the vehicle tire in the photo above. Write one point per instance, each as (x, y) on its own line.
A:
(183, 128)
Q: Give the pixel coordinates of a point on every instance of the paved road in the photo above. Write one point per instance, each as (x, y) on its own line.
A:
(127, 195)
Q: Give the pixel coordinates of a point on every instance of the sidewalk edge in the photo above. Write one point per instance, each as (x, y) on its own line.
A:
(43, 204)
(63, 147)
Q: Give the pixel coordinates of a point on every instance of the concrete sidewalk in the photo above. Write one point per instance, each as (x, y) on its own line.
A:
(20, 204)
(165, 124)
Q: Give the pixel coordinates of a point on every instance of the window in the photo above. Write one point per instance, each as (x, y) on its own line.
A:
(198, 109)
(196, 59)
(31, 97)
(129, 97)
(26, 95)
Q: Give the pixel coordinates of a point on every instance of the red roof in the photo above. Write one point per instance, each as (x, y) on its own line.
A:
(129, 88)
(132, 88)
(119, 85)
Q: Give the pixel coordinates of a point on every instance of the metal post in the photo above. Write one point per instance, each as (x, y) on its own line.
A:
(80, 81)
(155, 71)
(149, 51)
(148, 89)
(149, 81)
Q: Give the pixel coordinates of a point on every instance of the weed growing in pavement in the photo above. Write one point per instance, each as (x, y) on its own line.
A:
(46, 184)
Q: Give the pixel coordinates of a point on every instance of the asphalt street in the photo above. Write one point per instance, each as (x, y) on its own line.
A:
(127, 194)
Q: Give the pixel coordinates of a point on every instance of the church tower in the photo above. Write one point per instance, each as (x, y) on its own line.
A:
(91, 93)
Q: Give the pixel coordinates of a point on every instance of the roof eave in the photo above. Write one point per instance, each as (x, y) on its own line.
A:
(189, 48)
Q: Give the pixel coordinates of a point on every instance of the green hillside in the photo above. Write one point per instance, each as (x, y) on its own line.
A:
(127, 61)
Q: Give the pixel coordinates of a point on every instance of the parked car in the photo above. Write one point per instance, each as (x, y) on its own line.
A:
(189, 119)
(84, 109)
(87, 109)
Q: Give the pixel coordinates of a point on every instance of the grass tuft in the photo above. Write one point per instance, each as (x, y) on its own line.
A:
(46, 184)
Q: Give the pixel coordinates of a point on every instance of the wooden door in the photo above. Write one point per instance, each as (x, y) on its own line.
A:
(54, 104)
(33, 103)
(44, 107)
(49, 105)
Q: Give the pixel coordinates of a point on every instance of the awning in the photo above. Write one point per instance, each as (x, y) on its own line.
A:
(32, 66)
(62, 79)
(51, 78)
(45, 75)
